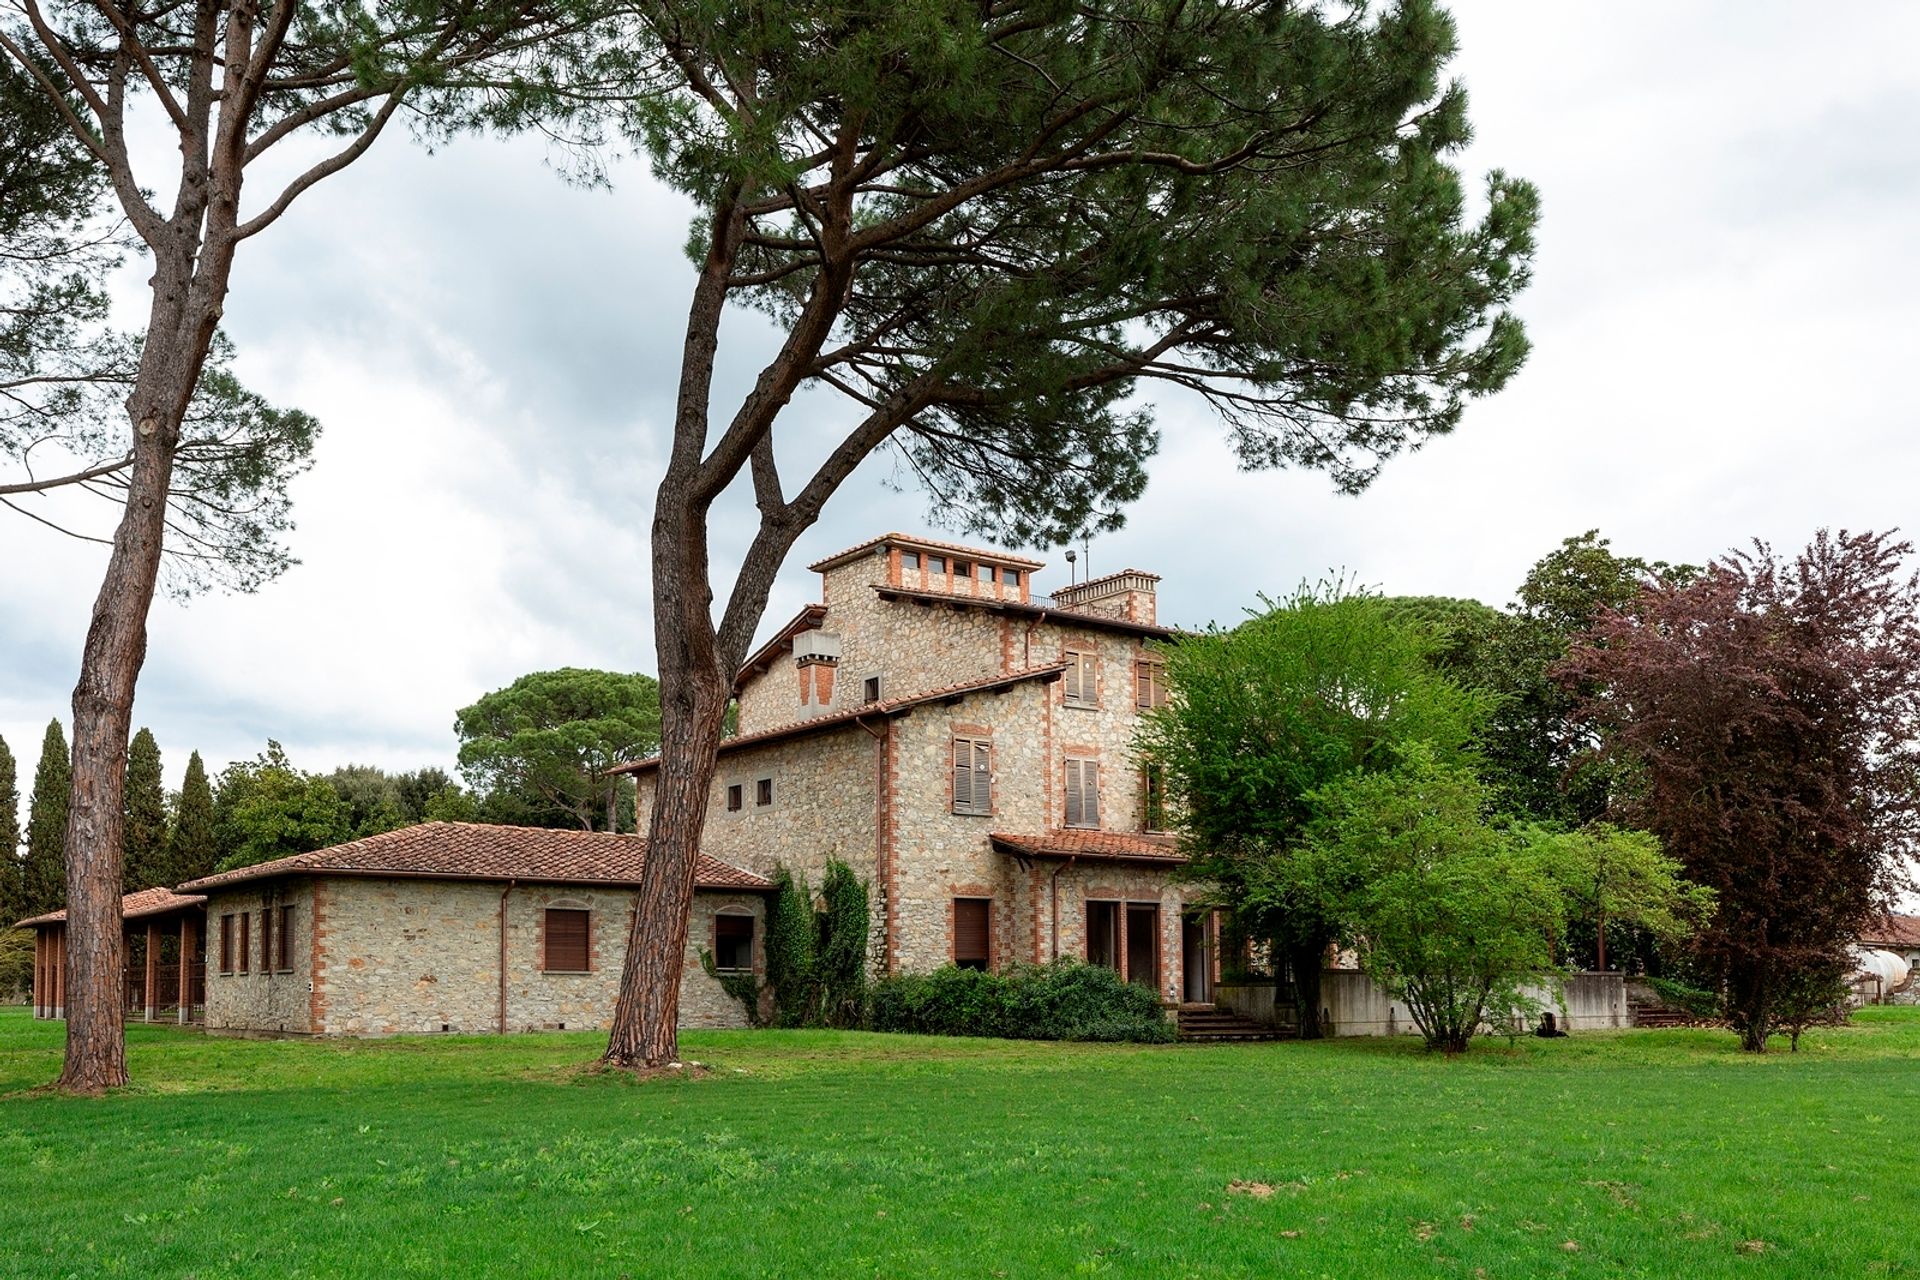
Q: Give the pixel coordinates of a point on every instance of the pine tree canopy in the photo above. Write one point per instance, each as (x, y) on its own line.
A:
(44, 875)
(144, 830)
(192, 847)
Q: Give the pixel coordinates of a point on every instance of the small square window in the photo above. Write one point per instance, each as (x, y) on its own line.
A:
(1010, 579)
(736, 797)
(986, 574)
(870, 689)
(961, 569)
(937, 565)
(762, 792)
(733, 943)
(910, 560)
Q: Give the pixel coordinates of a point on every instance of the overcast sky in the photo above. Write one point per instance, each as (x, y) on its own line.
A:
(1722, 319)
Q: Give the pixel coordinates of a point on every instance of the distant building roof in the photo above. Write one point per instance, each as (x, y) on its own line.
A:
(133, 906)
(485, 851)
(1098, 846)
(912, 543)
(886, 707)
(1894, 931)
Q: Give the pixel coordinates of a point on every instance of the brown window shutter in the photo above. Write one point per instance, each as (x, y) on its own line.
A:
(1076, 795)
(970, 932)
(1090, 789)
(266, 940)
(286, 938)
(972, 776)
(246, 940)
(566, 940)
(226, 944)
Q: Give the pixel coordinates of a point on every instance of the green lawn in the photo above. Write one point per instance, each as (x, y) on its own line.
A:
(817, 1154)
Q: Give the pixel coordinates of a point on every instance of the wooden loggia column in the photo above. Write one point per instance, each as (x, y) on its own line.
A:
(60, 972)
(186, 970)
(153, 970)
(39, 973)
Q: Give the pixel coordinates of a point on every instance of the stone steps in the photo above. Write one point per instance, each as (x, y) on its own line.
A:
(1208, 1025)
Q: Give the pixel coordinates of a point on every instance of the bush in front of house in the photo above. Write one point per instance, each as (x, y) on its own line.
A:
(1064, 1000)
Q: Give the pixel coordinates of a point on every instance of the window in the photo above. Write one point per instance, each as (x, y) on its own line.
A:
(226, 944)
(1083, 793)
(1082, 679)
(937, 566)
(1149, 684)
(736, 798)
(986, 574)
(870, 689)
(567, 941)
(961, 569)
(1010, 579)
(973, 775)
(971, 932)
(1153, 798)
(910, 560)
(733, 943)
(1103, 934)
(762, 792)
(243, 954)
(266, 940)
(284, 959)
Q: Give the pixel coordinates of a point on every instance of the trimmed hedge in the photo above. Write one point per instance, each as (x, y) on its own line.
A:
(1065, 1000)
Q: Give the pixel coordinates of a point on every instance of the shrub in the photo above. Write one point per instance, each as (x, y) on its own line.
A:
(816, 959)
(1064, 1000)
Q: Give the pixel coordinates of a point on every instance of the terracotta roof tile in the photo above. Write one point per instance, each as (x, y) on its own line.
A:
(146, 902)
(885, 707)
(806, 620)
(910, 541)
(1061, 614)
(484, 851)
(1895, 930)
(1109, 846)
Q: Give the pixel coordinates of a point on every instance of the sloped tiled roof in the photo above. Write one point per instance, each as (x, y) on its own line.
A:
(1108, 846)
(485, 851)
(1895, 930)
(885, 707)
(1039, 607)
(913, 543)
(146, 902)
(806, 620)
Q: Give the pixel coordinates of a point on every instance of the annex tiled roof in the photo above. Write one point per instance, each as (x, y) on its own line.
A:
(929, 544)
(1896, 930)
(1107, 846)
(485, 851)
(885, 707)
(146, 902)
(1065, 616)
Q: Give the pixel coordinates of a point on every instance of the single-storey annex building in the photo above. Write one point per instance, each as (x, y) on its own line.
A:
(452, 926)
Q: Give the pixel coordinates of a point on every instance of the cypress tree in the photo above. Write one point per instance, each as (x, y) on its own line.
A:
(191, 849)
(44, 874)
(144, 835)
(9, 838)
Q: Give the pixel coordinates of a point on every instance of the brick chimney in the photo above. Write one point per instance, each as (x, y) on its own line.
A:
(1127, 595)
(816, 659)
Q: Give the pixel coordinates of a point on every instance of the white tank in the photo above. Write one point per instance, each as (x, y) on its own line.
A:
(1885, 965)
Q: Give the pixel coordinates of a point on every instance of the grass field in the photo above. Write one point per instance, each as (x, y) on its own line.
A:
(1661, 1153)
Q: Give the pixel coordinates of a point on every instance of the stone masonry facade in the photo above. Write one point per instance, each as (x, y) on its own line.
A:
(868, 774)
(404, 955)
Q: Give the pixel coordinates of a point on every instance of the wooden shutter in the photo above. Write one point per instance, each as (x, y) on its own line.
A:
(226, 944)
(286, 937)
(1079, 677)
(970, 932)
(246, 940)
(266, 940)
(972, 776)
(1083, 793)
(1149, 685)
(566, 941)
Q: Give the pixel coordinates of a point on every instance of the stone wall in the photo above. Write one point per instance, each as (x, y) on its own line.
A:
(264, 998)
(1359, 1007)
(399, 956)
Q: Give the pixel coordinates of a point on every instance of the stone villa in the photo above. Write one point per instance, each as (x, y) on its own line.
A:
(963, 743)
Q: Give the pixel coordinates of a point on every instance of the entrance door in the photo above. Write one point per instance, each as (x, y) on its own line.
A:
(1143, 946)
(1196, 957)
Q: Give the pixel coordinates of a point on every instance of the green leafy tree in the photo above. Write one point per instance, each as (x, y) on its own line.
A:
(372, 797)
(990, 232)
(551, 739)
(193, 847)
(265, 808)
(10, 870)
(1621, 879)
(43, 875)
(1448, 913)
(1261, 718)
(144, 829)
(450, 804)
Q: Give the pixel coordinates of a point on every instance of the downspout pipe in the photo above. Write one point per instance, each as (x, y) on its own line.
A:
(503, 954)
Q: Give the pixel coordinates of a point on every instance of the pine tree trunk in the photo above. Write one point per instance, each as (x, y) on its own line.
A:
(116, 647)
